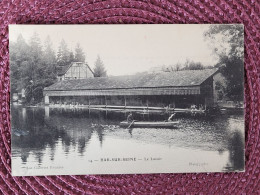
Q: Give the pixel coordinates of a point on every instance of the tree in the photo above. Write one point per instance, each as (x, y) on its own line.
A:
(233, 71)
(34, 70)
(177, 66)
(190, 65)
(99, 69)
(71, 57)
(79, 54)
(63, 56)
(49, 63)
(32, 67)
(19, 53)
(226, 42)
(48, 52)
(35, 47)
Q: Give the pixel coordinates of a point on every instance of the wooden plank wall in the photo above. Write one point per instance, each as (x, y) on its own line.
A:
(194, 90)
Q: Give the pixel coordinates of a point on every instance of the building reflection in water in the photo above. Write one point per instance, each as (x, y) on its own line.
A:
(47, 112)
(74, 128)
(24, 113)
(24, 156)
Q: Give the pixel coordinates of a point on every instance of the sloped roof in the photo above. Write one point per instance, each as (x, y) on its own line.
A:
(61, 70)
(140, 80)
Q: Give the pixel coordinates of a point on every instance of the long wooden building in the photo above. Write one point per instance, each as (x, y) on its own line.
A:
(179, 89)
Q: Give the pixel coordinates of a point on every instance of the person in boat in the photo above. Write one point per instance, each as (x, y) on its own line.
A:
(130, 118)
(171, 117)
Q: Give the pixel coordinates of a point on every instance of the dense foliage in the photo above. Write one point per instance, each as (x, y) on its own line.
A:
(34, 66)
(99, 69)
(187, 65)
(227, 43)
(79, 54)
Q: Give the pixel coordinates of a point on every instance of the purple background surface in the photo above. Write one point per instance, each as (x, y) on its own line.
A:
(137, 12)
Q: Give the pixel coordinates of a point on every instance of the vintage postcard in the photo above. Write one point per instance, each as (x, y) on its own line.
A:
(126, 99)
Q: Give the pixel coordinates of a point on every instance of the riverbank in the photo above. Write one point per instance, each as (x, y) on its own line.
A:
(139, 109)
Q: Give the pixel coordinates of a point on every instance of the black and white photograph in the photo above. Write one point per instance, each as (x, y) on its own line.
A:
(126, 99)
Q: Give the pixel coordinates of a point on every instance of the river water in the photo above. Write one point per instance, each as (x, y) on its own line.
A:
(58, 141)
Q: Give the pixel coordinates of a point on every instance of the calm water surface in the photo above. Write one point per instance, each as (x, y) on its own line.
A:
(76, 141)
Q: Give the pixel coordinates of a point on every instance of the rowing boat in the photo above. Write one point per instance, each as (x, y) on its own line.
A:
(147, 124)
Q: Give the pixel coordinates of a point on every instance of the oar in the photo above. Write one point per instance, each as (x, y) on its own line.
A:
(130, 124)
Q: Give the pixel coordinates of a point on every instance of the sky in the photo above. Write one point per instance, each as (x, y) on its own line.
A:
(128, 49)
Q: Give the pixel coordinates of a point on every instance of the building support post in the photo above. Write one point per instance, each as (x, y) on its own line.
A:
(47, 112)
(125, 101)
(105, 101)
(46, 100)
(24, 113)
